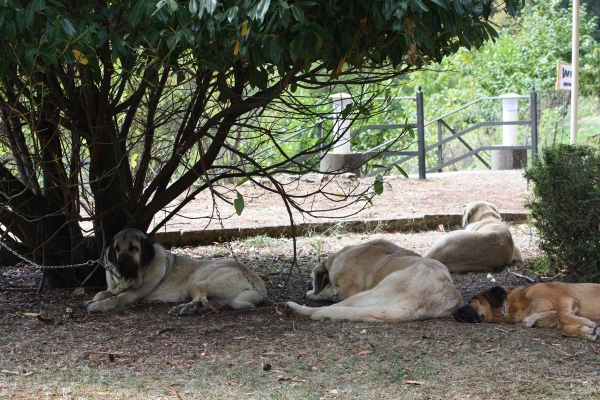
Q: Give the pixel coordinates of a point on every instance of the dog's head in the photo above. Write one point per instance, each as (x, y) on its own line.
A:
(322, 288)
(484, 307)
(477, 210)
(129, 254)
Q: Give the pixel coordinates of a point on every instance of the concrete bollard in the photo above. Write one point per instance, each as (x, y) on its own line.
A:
(341, 159)
(508, 157)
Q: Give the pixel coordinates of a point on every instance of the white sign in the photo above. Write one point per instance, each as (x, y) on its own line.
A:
(564, 76)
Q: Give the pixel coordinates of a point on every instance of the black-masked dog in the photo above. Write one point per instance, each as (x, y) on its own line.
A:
(144, 271)
(379, 281)
(572, 307)
(485, 243)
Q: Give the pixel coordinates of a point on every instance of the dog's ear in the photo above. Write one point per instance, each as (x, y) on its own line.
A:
(493, 207)
(147, 251)
(109, 253)
(495, 296)
(467, 214)
(321, 278)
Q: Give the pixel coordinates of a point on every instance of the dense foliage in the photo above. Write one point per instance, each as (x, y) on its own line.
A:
(565, 209)
(113, 109)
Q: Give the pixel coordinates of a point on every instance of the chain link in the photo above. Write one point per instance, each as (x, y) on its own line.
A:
(89, 263)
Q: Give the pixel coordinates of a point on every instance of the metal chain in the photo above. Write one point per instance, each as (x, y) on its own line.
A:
(89, 263)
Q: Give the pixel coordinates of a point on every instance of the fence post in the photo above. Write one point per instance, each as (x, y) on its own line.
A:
(421, 133)
(440, 152)
(534, 124)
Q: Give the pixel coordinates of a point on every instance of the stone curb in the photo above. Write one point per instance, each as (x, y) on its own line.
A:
(418, 223)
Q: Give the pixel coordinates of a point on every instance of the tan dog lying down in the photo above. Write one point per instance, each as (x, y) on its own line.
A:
(379, 281)
(485, 243)
(147, 272)
(572, 307)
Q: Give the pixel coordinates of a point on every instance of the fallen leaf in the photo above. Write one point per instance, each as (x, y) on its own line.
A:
(27, 314)
(278, 311)
(441, 228)
(363, 332)
(239, 337)
(78, 292)
(364, 352)
(28, 373)
(492, 350)
(214, 309)
(414, 382)
(334, 392)
(7, 372)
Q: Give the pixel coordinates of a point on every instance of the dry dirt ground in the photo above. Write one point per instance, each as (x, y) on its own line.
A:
(140, 352)
(441, 193)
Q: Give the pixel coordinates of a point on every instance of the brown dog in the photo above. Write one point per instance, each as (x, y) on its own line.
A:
(572, 307)
(379, 281)
(485, 243)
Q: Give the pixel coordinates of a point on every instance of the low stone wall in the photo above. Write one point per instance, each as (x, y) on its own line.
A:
(425, 222)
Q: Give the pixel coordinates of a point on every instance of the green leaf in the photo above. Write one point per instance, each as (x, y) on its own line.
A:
(210, 6)
(298, 13)
(440, 3)
(137, 13)
(38, 5)
(238, 203)
(259, 11)
(209, 64)
(402, 171)
(367, 199)
(284, 17)
(68, 27)
(232, 13)
(193, 6)
(418, 4)
(347, 110)
(378, 185)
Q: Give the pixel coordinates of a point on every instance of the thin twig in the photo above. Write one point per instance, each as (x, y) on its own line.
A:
(110, 353)
(523, 277)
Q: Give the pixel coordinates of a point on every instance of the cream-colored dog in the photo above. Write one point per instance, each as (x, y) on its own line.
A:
(379, 281)
(143, 271)
(485, 243)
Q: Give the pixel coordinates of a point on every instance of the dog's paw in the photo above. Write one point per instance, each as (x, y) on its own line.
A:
(97, 306)
(289, 307)
(595, 333)
(186, 309)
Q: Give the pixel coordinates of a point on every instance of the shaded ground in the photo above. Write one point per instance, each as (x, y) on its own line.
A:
(140, 352)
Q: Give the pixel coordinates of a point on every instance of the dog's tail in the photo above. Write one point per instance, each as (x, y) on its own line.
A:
(517, 256)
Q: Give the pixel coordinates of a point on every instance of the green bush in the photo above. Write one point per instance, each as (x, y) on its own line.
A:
(565, 208)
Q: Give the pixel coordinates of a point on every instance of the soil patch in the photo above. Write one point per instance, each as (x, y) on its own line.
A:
(140, 352)
(441, 193)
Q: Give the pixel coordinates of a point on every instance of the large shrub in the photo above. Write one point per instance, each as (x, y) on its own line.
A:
(565, 206)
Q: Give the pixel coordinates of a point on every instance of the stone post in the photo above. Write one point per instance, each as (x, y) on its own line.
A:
(341, 159)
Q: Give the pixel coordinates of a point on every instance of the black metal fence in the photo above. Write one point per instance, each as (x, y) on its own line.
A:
(443, 125)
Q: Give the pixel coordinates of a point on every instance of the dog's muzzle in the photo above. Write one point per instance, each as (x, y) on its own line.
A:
(467, 314)
(127, 266)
